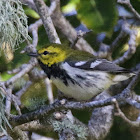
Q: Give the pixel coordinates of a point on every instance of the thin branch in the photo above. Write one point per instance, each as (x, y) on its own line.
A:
(126, 93)
(129, 5)
(66, 28)
(117, 40)
(8, 101)
(10, 98)
(43, 11)
(35, 126)
(133, 102)
(132, 44)
(80, 34)
(29, 3)
(122, 115)
(36, 136)
(33, 28)
(49, 90)
(24, 89)
(101, 119)
(21, 73)
(18, 134)
(52, 6)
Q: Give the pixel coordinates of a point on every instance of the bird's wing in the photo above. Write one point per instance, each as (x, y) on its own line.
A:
(98, 64)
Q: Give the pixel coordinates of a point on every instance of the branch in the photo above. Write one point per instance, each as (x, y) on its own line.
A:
(132, 45)
(24, 89)
(119, 113)
(57, 105)
(101, 120)
(126, 93)
(66, 28)
(128, 4)
(43, 11)
(49, 90)
(35, 126)
(18, 134)
(117, 40)
(63, 25)
(21, 73)
(8, 101)
(63, 104)
(29, 3)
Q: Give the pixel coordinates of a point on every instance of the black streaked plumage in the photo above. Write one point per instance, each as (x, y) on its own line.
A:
(56, 72)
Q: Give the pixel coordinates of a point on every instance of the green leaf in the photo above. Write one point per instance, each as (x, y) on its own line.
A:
(98, 15)
(31, 13)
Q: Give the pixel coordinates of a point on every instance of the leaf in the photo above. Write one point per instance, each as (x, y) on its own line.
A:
(31, 13)
(99, 15)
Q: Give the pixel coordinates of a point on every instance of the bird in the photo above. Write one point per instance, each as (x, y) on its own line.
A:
(78, 74)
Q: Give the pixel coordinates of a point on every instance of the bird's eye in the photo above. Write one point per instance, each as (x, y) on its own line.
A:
(45, 52)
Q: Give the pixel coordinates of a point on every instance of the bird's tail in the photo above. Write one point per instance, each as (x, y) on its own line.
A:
(122, 77)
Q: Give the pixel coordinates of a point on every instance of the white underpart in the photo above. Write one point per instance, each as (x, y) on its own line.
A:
(94, 83)
(93, 64)
(80, 63)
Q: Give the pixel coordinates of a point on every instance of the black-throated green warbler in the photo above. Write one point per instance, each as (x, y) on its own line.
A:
(78, 74)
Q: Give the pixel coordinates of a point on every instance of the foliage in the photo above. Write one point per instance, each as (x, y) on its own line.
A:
(103, 13)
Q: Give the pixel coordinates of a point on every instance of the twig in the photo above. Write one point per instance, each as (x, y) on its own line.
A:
(8, 101)
(10, 98)
(36, 136)
(53, 6)
(116, 42)
(17, 70)
(21, 73)
(43, 11)
(33, 28)
(29, 3)
(24, 89)
(133, 102)
(49, 90)
(132, 42)
(35, 126)
(66, 28)
(126, 93)
(14, 71)
(80, 34)
(122, 115)
(104, 51)
(17, 107)
(18, 134)
(129, 5)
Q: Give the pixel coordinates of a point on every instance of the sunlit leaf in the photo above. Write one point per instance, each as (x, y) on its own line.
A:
(99, 15)
(31, 13)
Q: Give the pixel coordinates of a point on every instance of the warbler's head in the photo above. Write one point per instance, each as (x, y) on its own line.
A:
(51, 54)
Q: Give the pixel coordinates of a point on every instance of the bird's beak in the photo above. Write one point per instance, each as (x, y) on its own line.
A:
(33, 54)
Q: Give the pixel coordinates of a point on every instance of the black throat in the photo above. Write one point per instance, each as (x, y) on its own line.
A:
(56, 72)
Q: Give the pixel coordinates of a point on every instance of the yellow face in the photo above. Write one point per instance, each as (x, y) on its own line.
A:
(51, 55)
